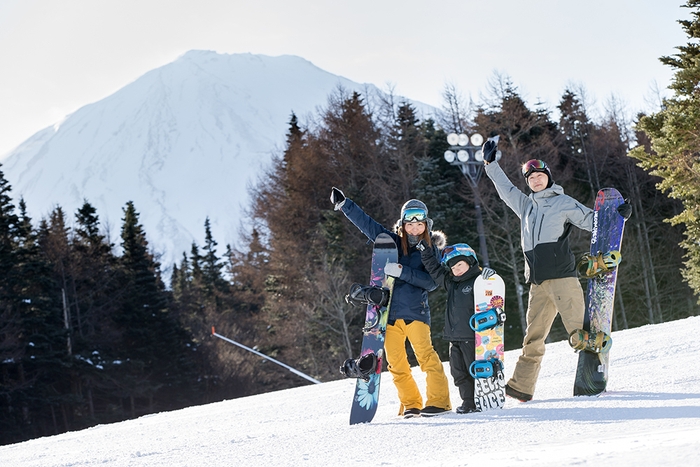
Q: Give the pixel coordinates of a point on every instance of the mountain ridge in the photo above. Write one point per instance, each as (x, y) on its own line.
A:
(183, 142)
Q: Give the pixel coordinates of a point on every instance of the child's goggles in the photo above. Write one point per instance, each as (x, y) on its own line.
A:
(452, 251)
(415, 215)
(534, 165)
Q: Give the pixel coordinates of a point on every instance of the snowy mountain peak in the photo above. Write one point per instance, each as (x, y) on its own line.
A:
(183, 142)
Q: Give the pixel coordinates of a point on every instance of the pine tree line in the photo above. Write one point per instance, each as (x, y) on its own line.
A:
(88, 336)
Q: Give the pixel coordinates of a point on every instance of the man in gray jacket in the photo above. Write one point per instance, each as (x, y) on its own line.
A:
(546, 218)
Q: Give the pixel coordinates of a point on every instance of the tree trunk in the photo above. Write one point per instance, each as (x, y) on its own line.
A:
(622, 313)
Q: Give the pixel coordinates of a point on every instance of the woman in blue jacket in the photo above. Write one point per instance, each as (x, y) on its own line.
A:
(409, 313)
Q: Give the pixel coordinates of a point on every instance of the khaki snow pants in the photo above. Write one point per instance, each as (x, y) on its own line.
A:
(563, 296)
(437, 387)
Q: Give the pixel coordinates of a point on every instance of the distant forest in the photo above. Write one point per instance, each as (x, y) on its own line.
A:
(90, 333)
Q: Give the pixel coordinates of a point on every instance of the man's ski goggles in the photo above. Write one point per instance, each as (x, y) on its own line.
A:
(415, 215)
(533, 165)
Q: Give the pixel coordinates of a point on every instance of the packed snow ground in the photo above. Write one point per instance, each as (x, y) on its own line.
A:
(649, 416)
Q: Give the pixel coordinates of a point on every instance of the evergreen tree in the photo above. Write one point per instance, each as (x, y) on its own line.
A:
(215, 286)
(13, 419)
(156, 367)
(47, 359)
(93, 301)
(675, 145)
(95, 281)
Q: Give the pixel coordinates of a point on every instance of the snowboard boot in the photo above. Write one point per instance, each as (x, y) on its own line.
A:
(515, 394)
(597, 342)
(487, 319)
(590, 266)
(431, 411)
(466, 407)
(367, 295)
(362, 367)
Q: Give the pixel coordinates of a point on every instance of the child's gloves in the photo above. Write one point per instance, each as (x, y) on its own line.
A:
(487, 272)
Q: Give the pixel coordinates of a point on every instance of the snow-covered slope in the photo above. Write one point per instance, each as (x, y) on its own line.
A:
(182, 142)
(649, 416)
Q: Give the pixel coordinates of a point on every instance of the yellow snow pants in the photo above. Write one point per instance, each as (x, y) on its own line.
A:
(563, 296)
(418, 335)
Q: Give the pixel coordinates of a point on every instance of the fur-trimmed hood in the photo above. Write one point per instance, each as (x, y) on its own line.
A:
(439, 239)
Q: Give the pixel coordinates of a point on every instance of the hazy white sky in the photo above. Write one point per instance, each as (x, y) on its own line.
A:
(57, 56)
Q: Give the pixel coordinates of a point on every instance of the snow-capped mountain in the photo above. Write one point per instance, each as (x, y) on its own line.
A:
(182, 142)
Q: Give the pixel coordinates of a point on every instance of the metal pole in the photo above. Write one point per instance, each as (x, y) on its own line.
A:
(260, 354)
(480, 230)
(66, 322)
(472, 168)
(473, 179)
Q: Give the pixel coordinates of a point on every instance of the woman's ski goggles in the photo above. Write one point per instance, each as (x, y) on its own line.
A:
(415, 215)
(533, 165)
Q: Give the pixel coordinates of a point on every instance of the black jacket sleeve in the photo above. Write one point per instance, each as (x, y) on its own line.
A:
(429, 257)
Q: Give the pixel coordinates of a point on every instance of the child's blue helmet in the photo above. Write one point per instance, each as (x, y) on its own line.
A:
(453, 254)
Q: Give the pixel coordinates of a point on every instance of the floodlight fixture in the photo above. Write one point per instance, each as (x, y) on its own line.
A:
(477, 139)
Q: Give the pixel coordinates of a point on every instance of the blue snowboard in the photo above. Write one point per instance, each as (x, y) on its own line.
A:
(606, 236)
(366, 398)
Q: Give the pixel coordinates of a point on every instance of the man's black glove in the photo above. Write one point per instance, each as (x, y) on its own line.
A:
(625, 210)
(337, 198)
(490, 148)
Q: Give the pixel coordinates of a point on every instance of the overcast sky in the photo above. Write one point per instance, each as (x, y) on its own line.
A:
(57, 56)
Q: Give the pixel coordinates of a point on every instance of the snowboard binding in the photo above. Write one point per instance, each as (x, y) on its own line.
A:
(485, 368)
(487, 319)
(361, 368)
(590, 266)
(367, 295)
(597, 342)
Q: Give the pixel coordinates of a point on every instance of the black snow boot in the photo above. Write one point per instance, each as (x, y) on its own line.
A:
(367, 295)
(362, 368)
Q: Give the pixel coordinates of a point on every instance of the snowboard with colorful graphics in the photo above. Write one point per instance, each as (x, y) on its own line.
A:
(366, 397)
(606, 237)
(487, 322)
